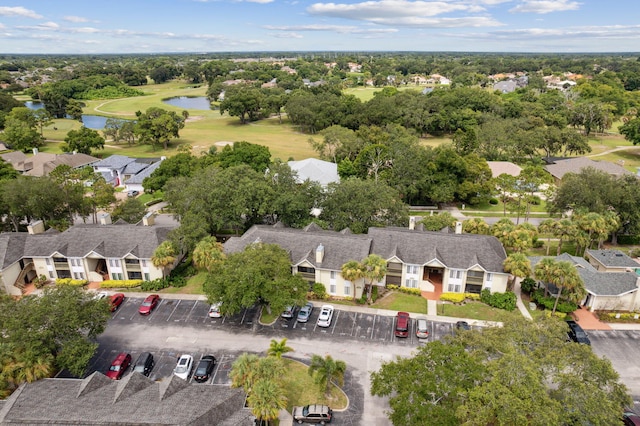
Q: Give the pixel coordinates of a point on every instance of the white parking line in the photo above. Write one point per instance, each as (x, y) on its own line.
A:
(393, 328)
(335, 321)
(373, 326)
(195, 303)
(243, 315)
(215, 372)
(174, 309)
(355, 317)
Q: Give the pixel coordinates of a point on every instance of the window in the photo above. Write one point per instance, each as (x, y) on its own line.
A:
(411, 283)
(333, 275)
(455, 287)
(114, 263)
(306, 270)
(413, 269)
(135, 275)
(347, 288)
(332, 288)
(489, 277)
(147, 277)
(455, 274)
(143, 262)
(48, 261)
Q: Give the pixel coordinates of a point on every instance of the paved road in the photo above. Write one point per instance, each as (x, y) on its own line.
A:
(364, 340)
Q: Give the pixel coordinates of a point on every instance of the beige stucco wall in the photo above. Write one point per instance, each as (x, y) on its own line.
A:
(324, 276)
(40, 266)
(499, 283)
(9, 277)
(616, 303)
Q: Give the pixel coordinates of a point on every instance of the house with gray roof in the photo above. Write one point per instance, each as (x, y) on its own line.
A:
(500, 167)
(134, 400)
(558, 167)
(612, 261)
(91, 252)
(118, 169)
(429, 261)
(134, 183)
(606, 290)
(323, 172)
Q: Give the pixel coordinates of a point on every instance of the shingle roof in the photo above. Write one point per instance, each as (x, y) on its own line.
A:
(315, 170)
(106, 240)
(560, 167)
(114, 162)
(71, 160)
(134, 167)
(500, 167)
(459, 251)
(138, 178)
(613, 259)
(134, 400)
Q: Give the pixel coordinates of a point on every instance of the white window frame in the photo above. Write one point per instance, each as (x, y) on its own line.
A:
(347, 288)
(411, 283)
(413, 269)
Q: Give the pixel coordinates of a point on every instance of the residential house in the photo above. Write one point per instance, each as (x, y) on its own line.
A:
(506, 86)
(16, 159)
(419, 80)
(606, 290)
(558, 167)
(41, 163)
(270, 84)
(134, 183)
(118, 169)
(500, 167)
(134, 400)
(323, 172)
(91, 252)
(429, 261)
(612, 261)
(438, 79)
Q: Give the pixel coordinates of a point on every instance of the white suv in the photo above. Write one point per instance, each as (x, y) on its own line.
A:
(184, 366)
(326, 314)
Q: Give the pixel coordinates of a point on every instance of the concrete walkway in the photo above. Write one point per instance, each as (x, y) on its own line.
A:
(519, 303)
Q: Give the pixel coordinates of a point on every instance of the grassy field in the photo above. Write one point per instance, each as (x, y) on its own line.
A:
(475, 310)
(397, 301)
(301, 390)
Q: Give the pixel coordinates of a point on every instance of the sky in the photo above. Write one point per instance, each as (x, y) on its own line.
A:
(163, 26)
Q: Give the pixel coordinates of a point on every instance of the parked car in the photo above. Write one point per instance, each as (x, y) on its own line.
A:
(402, 324)
(144, 364)
(463, 325)
(314, 413)
(422, 329)
(305, 312)
(101, 295)
(119, 366)
(577, 334)
(184, 366)
(326, 314)
(214, 310)
(116, 301)
(204, 368)
(288, 312)
(132, 193)
(149, 304)
(630, 418)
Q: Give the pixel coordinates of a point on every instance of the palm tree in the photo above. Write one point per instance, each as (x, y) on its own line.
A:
(613, 223)
(564, 229)
(594, 225)
(277, 349)
(243, 371)
(518, 265)
(326, 371)
(548, 227)
(352, 271)
(544, 272)
(475, 225)
(266, 400)
(502, 230)
(207, 253)
(164, 255)
(375, 268)
(566, 277)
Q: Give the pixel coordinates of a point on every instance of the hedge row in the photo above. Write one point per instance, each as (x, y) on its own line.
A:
(71, 282)
(506, 300)
(407, 290)
(459, 297)
(120, 283)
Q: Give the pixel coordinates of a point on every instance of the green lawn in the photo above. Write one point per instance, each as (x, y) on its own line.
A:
(475, 310)
(194, 286)
(301, 390)
(397, 301)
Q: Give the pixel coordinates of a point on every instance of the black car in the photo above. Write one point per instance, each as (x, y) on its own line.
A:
(204, 368)
(577, 334)
(463, 325)
(144, 364)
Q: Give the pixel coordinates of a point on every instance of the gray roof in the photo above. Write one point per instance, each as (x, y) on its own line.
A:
(500, 167)
(11, 247)
(459, 251)
(323, 172)
(105, 240)
(597, 283)
(134, 167)
(506, 86)
(613, 259)
(114, 162)
(138, 178)
(302, 244)
(560, 167)
(134, 400)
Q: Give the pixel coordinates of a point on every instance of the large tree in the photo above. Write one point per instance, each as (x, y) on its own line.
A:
(522, 373)
(157, 126)
(20, 130)
(83, 141)
(261, 273)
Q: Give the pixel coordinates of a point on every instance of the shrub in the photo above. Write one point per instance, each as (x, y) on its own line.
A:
(409, 290)
(393, 287)
(535, 200)
(155, 285)
(40, 281)
(452, 297)
(634, 252)
(528, 285)
(318, 291)
(120, 283)
(363, 299)
(493, 201)
(154, 201)
(71, 282)
(628, 239)
(506, 300)
(177, 282)
(374, 293)
(472, 296)
(564, 306)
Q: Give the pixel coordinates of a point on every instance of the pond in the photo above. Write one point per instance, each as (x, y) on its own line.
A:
(95, 122)
(34, 105)
(186, 102)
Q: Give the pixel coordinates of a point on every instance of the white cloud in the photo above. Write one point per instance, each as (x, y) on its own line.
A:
(630, 32)
(545, 6)
(286, 35)
(18, 11)
(83, 30)
(75, 19)
(46, 26)
(259, 1)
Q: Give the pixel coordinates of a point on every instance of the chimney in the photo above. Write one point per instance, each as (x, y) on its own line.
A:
(412, 222)
(148, 219)
(458, 227)
(74, 152)
(35, 151)
(36, 227)
(319, 253)
(105, 219)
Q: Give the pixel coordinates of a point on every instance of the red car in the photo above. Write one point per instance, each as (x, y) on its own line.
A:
(402, 324)
(149, 304)
(116, 301)
(118, 366)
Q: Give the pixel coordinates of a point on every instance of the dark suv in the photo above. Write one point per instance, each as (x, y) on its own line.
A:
(314, 413)
(144, 363)
(577, 334)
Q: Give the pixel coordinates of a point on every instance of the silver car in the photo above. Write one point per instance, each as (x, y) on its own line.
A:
(305, 312)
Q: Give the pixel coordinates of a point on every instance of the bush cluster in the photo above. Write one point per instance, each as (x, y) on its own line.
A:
(120, 283)
(493, 201)
(407, 290)
(629, 239)
(624, 316)
(564, 306)
(506, 300)
(459, 297)
(71, 282)
(154, 201)
(528, 285)
(318, 292)
(155, 285)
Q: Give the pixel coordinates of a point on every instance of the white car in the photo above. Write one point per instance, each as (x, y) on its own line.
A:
(214, 310)
(326, 314)
(184, 366)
